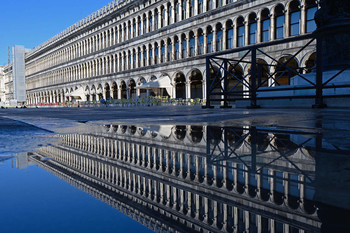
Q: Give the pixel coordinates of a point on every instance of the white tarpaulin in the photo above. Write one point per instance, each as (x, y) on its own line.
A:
(162, 82)
(77, 93)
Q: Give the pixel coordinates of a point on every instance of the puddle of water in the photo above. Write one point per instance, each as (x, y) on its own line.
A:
(181, 178)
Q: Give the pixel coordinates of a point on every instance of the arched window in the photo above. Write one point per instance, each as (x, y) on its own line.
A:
(200, 6)
(294, 18)
(117, 34)
(125, 32)
(150, 20)
(129, 60)
(229, 34)
(177, 47)
(310, 63)
(150, 56)
(279, 13)
(240, 32)
(265, 25)
(283, 75)
(192, 44)
(192, 7)
(170, 14)
(120, 62)
(252, 28)
(134, 59)
(139, 57)
(219, 3)
(144, 24)
(163, 17)
(134, 28)
(129, 30)
(200, 42)
(156, 53)
(177, 11)
(184, 46)
(139, 26)
(184, 8)
(311, 8)
(219, 37)
(144, 56)
(156, 26)
(169, 50)
(125, 61)
(162, 48)
(209, 40)
(209, 5)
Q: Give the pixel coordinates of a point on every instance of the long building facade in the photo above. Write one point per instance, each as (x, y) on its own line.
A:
(165, 178)
(115, 52)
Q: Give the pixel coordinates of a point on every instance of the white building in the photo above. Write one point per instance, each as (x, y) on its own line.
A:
(114, 52)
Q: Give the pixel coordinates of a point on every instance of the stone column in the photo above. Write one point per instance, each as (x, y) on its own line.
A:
(205, 42)
(224, 38)
(287, 23)
(246, 33)
(303, 19)
(180, 10)
(214, 39)
(166, 23)
(188, 89)
(159, 17)
(272, 27)
(196, 43)
(188, 9)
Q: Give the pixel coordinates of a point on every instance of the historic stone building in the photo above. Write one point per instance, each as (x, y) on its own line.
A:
(164, 177)
(132, 49)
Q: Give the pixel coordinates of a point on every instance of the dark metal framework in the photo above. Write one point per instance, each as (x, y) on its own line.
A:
(223, 144)
(220, 68)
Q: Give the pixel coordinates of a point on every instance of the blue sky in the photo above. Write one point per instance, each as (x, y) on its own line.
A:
(32, 22)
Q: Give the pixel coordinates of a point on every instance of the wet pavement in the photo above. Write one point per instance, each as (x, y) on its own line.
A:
(174, 169)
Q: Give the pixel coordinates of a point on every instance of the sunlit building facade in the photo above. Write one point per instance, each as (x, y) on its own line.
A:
(116, 51)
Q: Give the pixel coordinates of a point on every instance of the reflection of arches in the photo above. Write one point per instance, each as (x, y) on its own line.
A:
(180, 85)
(196, 133)
(180, 132)
(283, 74)
(196, 80)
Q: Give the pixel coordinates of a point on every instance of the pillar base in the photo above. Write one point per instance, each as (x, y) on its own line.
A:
(225, 106)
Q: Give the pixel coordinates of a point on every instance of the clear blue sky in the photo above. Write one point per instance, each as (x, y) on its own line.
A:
(32, 22)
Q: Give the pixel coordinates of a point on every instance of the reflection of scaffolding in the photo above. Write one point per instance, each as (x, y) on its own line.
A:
(224, 143)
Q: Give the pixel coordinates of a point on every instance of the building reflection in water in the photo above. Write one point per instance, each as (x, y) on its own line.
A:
(201, 179)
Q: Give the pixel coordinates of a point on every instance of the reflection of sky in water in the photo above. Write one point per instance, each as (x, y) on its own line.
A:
(264, 168)
(33, 200)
